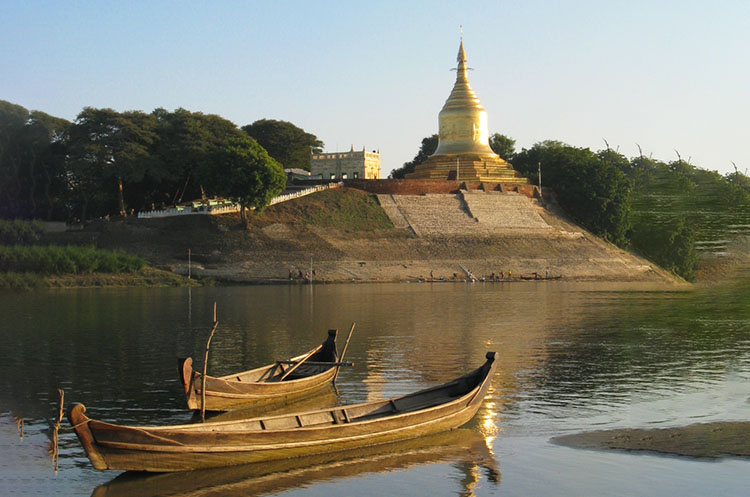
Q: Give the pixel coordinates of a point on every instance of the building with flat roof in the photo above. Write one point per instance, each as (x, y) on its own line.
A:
(354, 164)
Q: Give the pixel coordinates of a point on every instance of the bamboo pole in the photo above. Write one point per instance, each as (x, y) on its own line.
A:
(343, 352)
(55, 430)
(309, 355)
(205, 364)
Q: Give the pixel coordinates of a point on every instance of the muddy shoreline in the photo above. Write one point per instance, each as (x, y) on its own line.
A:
(702, 440)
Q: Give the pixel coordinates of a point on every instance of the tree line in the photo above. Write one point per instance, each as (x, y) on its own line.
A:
(614, 196)
(107, 163)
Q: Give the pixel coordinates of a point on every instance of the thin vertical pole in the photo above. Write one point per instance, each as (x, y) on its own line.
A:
(343, 353)
(205, 364)
(189, 265)
(458, 168)
(539, 164)
(311, 269)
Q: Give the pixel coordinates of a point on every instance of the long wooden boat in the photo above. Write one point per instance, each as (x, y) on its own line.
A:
(270, 386)
(465, 446)
(227, 443)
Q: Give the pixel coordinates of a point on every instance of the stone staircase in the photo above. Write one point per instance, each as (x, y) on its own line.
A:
(496, 210)
(390, 207)
(468, 213)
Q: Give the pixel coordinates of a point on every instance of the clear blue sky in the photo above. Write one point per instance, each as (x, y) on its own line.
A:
(664, 74)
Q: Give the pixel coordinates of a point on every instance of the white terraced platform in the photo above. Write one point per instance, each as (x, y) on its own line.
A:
(503, 210)
(468, 213)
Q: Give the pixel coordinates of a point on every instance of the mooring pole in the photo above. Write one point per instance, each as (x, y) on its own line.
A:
(205, 363)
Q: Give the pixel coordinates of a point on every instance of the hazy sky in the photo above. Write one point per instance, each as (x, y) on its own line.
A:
(664, 74)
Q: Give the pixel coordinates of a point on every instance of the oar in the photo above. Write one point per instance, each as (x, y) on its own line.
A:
(309, 354)
(343, 353)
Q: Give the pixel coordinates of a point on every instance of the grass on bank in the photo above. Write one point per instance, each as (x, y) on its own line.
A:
(346, 209)
(34, 266)
(19, 232)
(147, 277)
(66, 259)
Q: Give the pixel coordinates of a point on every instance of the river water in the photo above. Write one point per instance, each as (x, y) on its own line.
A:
(572, 357)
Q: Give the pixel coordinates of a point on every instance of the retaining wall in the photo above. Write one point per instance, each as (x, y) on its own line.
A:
(424, 186)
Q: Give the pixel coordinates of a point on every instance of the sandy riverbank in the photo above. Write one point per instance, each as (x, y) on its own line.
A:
(345, 236)
(706, 440)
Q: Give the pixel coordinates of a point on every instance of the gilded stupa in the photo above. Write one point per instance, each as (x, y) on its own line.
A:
(463, 151)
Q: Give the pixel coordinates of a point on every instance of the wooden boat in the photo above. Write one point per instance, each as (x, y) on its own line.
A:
(203, 445)
(270, 386)
(464, 448)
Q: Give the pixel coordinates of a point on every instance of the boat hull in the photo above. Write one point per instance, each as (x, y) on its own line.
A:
(260, 387)
(195, 446)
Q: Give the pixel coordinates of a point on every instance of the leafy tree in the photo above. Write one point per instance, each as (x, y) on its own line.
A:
(503, 146)
(244, 172)
(114, 147)
(32, 175)
(289, 145)
(670, 244)
(187, 141)
(593, 191)
(428, 147)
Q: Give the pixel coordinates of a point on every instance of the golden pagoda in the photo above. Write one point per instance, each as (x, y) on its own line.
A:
(463, 151)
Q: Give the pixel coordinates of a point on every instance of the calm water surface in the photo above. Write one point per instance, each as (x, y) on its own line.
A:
(573, 357)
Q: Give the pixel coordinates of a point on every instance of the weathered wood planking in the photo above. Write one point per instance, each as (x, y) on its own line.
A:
(266, 386)
(194, 446)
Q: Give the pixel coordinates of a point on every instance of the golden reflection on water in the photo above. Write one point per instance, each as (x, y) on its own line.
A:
(488, 423)
(565, 351)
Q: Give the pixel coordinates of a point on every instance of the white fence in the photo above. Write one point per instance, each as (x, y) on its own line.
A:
(302, 193)
(225, 209)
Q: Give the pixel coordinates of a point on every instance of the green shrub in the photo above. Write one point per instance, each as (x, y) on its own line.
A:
(23, 281)
(19, 232)
(669, 244)
(57, 259)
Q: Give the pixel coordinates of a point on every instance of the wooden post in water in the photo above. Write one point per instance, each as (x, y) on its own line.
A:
(189, 265)
(56, 429)
(205, 364)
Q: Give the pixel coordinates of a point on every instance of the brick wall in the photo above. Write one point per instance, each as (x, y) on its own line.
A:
(422, 186)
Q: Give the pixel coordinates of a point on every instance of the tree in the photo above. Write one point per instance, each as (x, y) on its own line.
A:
(503, 146)
(187, 141)
(32, 174)
(244, 172)
(669, 243)
(428, 147)
(289, 145)
(593, 191)
(110, 146)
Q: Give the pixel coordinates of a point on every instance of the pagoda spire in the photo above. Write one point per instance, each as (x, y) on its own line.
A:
(463, 138)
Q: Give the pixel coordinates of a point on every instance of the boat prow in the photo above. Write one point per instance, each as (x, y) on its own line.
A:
(277, 437)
